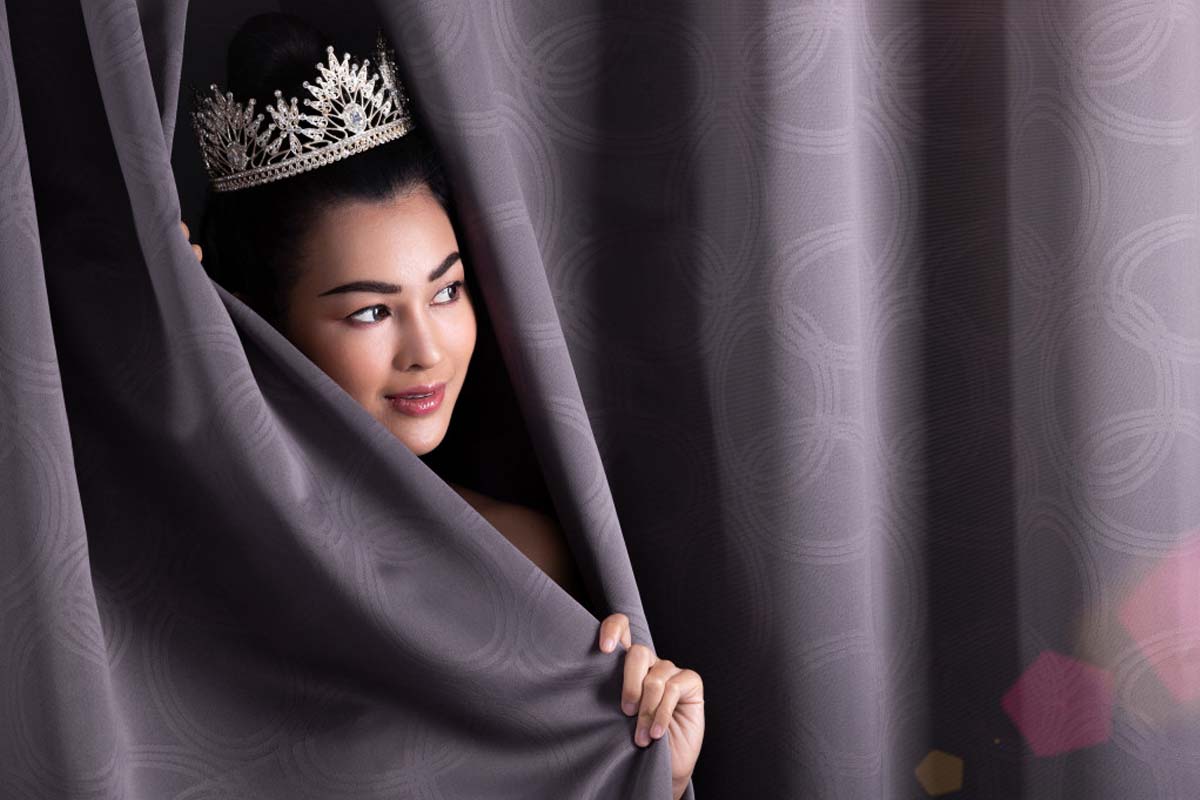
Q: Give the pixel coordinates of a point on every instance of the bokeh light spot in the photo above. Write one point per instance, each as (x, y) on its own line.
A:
(1061, 704)
(1162, 615)
(940, 773)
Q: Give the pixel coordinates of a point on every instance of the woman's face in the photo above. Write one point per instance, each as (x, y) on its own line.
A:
(381, 307)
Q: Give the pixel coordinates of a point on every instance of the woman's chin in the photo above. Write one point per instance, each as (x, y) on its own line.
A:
(422, 437)
(424, 449)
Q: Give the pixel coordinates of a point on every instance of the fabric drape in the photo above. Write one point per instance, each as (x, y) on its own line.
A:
(885, 319)
(861, 334)
(222, 576)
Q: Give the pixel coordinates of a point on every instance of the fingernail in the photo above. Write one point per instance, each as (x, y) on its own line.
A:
(640, 737)
(628, 707)
(609, 644)
(656, 731)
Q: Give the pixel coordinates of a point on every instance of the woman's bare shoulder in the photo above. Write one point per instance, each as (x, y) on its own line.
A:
(535, 533)
(515, 517)
(478, 500)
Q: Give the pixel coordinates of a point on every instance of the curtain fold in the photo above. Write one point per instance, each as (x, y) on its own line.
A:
(55, 671)
(856, 344)
(230, 580)
(883, 315)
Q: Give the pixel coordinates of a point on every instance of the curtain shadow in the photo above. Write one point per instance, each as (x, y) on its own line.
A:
(648, 383)
(967, 378)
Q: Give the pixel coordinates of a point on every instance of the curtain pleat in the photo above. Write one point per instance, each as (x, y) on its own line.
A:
(856, 344)
(263, 592)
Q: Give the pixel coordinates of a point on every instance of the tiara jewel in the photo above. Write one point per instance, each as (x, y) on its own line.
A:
(349, 115)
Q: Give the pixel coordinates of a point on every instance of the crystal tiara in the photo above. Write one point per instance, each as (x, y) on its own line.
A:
(350, 116)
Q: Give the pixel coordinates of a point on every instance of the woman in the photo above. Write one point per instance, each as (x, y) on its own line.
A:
(355, 260)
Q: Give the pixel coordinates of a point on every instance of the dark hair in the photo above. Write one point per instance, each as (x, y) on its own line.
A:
(252, 237)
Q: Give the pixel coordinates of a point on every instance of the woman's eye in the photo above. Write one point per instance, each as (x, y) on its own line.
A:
(367, 310)
(367, 316)
(456, 286)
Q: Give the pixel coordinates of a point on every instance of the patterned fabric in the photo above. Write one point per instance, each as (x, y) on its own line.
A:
(884, 313)
(221, 577)
(862, 333)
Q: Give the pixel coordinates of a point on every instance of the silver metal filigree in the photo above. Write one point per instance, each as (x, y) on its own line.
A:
(349, 115)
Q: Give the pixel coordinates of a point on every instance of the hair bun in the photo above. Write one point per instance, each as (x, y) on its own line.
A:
(273, 51)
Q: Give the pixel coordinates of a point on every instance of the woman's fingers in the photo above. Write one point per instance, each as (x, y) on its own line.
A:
(614, 628)
(188, 235)
(654, 687)
(684, 683)
(638, 661)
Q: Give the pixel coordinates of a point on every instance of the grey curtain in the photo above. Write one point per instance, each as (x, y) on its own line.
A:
(854, 344)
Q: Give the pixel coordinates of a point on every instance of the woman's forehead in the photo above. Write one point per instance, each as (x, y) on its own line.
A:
(406, 236)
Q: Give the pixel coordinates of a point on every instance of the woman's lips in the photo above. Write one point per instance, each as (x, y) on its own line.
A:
(418, 406)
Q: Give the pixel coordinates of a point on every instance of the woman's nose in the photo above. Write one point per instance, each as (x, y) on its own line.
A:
(418, 345)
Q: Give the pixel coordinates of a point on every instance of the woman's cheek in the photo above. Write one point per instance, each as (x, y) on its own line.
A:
(468, 334)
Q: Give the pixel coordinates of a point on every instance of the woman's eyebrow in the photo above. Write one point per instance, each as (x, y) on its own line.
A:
(447, 262)
(380, 287)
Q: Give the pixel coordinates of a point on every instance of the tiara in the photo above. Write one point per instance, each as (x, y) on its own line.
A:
(350, 116)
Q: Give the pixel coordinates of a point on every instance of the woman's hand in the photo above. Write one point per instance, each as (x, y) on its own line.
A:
(663, 696)
(195, 247)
